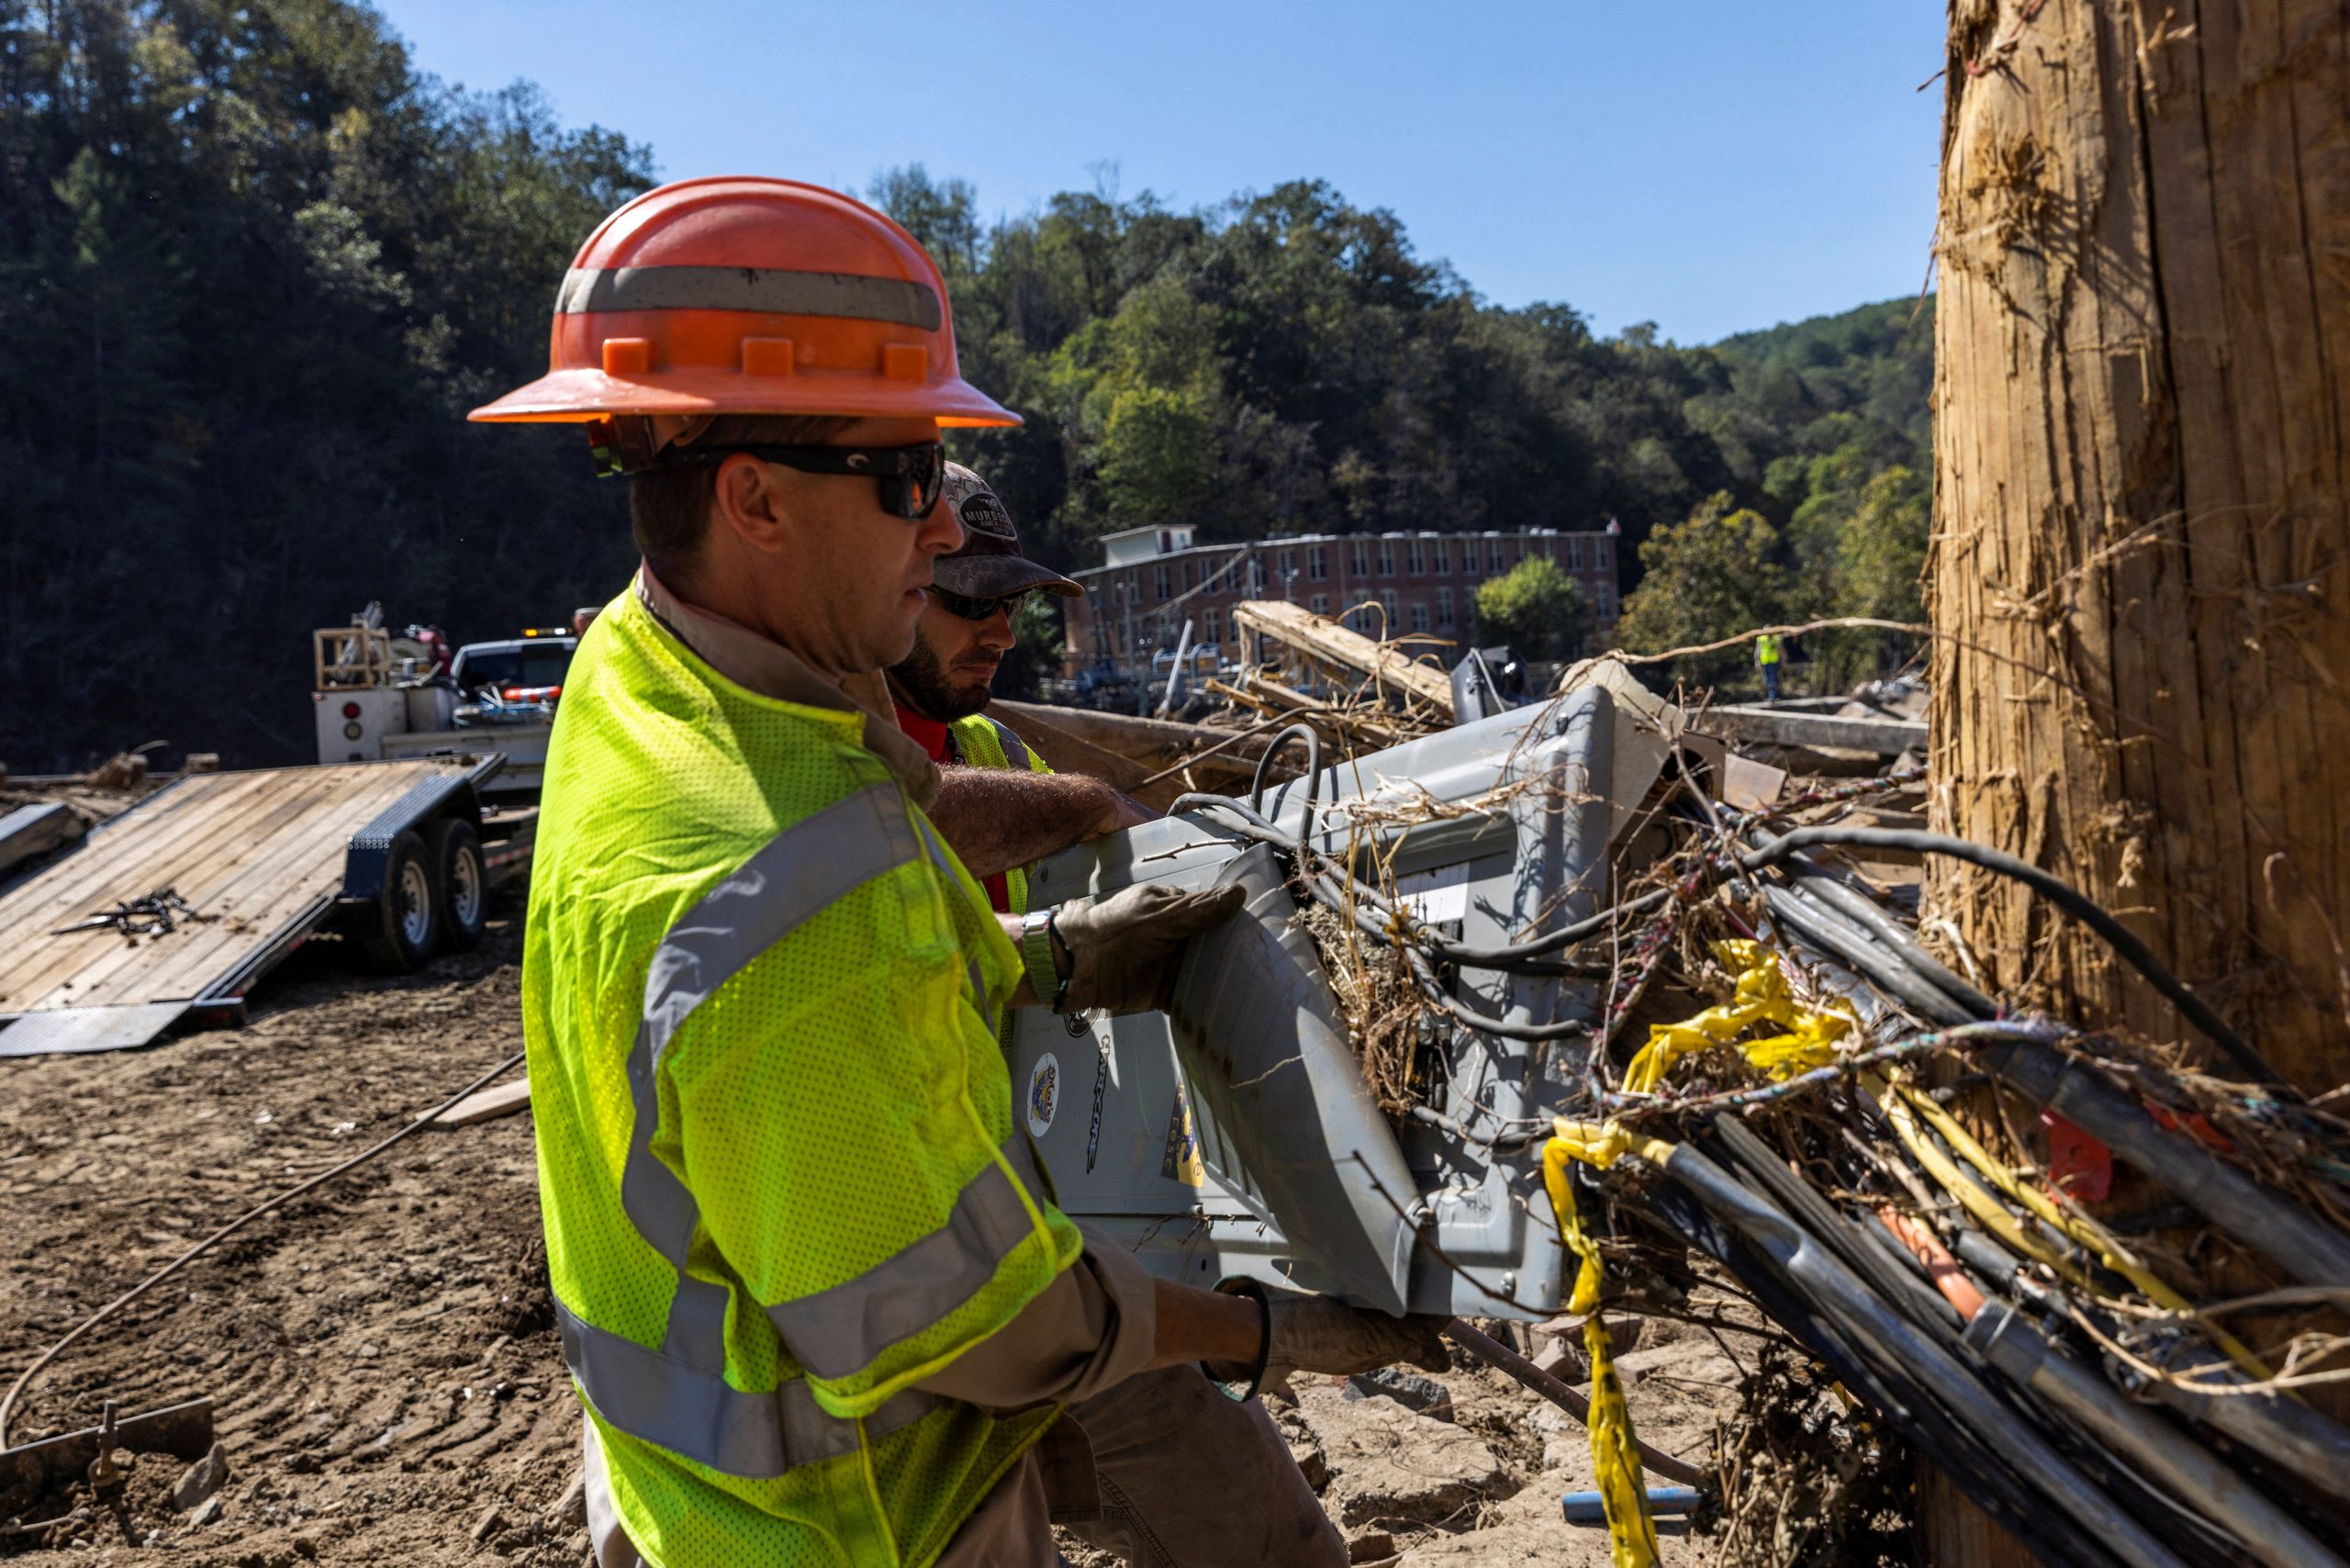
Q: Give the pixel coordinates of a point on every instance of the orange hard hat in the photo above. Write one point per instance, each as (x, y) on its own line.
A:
(743, 295)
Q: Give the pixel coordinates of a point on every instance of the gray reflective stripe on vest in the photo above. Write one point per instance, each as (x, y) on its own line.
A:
(763, 289)
(1015, 750)
(680, 1389)
(834, 1332)
(703, 1417)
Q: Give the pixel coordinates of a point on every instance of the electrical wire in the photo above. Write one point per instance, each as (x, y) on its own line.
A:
(9, 1400)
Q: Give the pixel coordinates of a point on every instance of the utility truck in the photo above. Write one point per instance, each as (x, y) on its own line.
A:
(381, 698)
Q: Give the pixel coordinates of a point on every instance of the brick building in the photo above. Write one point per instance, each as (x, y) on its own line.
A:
(1153, 579)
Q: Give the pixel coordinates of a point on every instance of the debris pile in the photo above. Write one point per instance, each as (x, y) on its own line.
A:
(2101, 1290)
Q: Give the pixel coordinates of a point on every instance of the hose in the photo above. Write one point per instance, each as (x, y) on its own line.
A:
(9, 1400)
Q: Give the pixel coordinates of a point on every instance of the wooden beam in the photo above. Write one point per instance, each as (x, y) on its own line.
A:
(1319, 639)
(497, 1100)
(1777, 726)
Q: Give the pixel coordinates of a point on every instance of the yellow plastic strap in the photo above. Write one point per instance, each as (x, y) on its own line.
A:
(1615, 1453)
(1807, 1040)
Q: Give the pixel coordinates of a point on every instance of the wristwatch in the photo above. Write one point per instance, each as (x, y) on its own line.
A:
(1036, 956)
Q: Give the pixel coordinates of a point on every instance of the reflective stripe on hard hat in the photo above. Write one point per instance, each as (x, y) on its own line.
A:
(849, 295)
(743, 295)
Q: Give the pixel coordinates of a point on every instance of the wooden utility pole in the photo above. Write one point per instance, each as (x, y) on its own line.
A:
(2141, 554)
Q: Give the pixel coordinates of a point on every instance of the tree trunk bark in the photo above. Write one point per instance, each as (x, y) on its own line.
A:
(2143, 425)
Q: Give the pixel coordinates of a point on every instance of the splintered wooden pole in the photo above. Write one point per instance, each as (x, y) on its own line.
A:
(2141, 545)
(2141, 550)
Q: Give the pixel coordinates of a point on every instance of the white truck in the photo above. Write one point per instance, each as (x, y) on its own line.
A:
(379, 697)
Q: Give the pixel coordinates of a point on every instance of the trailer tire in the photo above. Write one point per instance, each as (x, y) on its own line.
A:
(460, 884)
(400, 930)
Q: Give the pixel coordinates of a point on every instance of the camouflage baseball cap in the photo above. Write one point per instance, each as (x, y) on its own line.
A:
(988, 564)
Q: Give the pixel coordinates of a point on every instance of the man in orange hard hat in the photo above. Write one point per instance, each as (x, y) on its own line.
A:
(818, 1303)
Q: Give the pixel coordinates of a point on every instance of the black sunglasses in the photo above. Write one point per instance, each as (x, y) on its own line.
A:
(910, 477)
(978, 608)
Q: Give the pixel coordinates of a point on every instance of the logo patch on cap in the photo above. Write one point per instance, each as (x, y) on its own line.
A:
(983, 513)
(976, 506)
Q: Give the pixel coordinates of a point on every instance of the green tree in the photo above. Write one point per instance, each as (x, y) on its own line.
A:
(1157, 457)
(1535, 608)
(1717, 574)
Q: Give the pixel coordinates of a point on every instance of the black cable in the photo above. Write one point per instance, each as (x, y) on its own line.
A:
(2063, 894)
(1313, 769)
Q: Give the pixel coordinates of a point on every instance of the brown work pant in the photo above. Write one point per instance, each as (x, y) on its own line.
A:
(1162, 1470)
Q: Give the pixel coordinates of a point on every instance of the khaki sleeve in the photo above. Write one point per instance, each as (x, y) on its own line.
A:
(1093, 1328)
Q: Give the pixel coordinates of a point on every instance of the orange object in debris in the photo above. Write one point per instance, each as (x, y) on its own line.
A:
(744, 294)
(1940, 1266)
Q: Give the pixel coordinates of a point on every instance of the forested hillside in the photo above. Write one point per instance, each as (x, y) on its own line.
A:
(255, 267)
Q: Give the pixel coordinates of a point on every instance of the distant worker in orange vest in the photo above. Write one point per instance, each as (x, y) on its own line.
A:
(1766, 658)
(943, 687)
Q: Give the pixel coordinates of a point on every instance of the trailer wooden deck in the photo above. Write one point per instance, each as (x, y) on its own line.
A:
(258, 856)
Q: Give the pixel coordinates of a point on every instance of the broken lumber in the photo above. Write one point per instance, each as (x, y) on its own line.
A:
(1779, 726)
(1317, 639)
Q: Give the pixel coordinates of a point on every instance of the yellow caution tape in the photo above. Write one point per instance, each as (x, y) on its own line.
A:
(1614, 1452)
(1807, 1038)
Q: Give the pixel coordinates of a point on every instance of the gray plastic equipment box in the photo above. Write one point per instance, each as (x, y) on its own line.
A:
(1236, 1134)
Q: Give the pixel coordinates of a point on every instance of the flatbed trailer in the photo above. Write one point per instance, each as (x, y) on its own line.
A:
(176, 908)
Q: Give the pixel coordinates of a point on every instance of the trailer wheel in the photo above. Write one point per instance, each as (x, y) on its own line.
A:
(399, 932)
(460, 883)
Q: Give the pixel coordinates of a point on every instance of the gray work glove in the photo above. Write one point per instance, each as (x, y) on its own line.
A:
(1314, 1334)
(1123, 949)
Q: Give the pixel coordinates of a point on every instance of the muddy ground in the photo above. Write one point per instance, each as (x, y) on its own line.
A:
(388, 1379)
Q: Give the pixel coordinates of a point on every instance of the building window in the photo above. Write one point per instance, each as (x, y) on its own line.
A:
(1211, 625)
(1416, 558)
(1444, 606)
(1256, 576)
(1386, 556)
(1358, 555)
(1289, 570)
(1321, 605)
(1160, 583)
(1493, 557)
(1183, 575)
(1318, 565)
(1574, 554)
(1387, 602)
(1134, 589)
(1607, 600)
(1419, 615)
(1601, 554)
(1443, 548)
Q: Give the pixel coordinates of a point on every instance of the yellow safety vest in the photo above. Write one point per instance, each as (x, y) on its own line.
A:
(982, 742)
(781, 1179)
(1766, 648)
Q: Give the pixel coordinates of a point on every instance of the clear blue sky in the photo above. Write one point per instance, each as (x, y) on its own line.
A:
(1710, 166)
